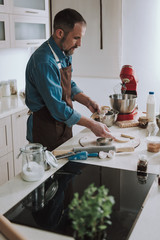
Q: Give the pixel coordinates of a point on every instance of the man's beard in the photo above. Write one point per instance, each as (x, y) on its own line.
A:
(68, 52)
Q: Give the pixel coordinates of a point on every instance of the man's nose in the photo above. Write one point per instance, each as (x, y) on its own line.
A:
(79, 42)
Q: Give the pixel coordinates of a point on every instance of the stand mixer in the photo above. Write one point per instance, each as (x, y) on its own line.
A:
(129, 80)
(129, 86)
(125, 103)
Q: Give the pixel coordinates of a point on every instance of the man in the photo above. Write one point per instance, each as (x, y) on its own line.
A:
(50, 90)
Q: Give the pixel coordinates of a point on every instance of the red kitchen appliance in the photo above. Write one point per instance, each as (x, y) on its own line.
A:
(129, 80)
(129, 86)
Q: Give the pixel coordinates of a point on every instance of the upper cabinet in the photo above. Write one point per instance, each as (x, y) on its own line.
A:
(4, 6)
(28, 31)
(30, 7)
(4, 31)
(23, 23)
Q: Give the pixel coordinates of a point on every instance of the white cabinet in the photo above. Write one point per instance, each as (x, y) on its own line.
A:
(6, 137)
(6, 154)
(19, 121)
(28, 31)
(24, 23)
(6, 168)
(4, 6)
(12, 138)
(30, 7)
(4, 31)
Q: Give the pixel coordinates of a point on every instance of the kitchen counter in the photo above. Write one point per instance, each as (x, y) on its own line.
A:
(10, 105)
(147, 225)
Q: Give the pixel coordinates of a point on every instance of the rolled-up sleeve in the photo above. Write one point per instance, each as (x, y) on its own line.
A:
(74, 89)
(75, 117)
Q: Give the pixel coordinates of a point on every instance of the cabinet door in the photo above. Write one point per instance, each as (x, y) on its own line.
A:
(5, 136)
(30, 7)
(4, 6)
(19, 121)
(4, 31)
(6, 168)
(27, 31)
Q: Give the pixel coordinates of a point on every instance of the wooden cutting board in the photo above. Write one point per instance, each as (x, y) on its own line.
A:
(90, 140)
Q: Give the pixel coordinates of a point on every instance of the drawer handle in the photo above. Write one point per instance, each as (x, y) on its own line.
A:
(21, 115)
(31, 12)
(31, 43)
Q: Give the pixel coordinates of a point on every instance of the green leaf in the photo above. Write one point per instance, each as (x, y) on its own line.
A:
(92, 211)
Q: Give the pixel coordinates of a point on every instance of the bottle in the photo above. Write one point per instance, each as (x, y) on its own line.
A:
(13, 86)
(151, 107)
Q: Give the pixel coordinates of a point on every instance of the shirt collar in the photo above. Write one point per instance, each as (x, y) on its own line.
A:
(61, 55)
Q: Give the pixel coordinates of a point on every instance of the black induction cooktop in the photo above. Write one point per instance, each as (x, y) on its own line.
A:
(47, 206)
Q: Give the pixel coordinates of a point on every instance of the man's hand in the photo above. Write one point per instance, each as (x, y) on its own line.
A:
(98, 128)
(93, 106)
(101, 130)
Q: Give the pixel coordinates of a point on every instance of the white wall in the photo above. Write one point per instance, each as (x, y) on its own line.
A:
(12, 65)
(141, 45)
(140, 48)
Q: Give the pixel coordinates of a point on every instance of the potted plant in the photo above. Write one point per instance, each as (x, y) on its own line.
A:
(90, 214)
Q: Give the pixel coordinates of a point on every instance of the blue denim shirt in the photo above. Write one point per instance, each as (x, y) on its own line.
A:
(43, 86)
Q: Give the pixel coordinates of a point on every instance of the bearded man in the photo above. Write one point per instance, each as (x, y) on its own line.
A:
(50, 89)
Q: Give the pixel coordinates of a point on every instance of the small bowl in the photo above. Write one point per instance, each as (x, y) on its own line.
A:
(110, 118)
(158, 120)
(104, 141)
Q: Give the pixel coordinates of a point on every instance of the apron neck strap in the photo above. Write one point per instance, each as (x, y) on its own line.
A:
(55, 56)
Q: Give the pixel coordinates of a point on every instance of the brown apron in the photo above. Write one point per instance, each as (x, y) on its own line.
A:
(47, 130)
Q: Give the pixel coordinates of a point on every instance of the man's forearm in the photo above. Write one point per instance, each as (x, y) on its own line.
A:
(87, 101)
(82, 98)
(86, 122)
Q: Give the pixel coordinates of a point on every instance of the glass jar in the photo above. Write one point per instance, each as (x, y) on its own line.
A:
(32, 162)
(142, 163)
(143, 121)
(13, 86)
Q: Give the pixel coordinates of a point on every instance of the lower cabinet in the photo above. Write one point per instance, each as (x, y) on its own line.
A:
(5, 136)
(19, 128)
(12, 138)
(6, 154)
(6, 168)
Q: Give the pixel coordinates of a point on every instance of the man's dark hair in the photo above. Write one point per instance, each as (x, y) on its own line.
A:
(66, 19)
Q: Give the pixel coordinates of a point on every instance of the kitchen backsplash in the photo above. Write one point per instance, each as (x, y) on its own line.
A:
(12, 65)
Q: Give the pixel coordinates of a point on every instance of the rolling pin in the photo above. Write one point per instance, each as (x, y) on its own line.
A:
(95, 149)
(82, 156)
(8, 230)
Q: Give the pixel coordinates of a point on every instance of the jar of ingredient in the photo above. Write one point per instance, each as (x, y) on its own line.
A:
(32, 162)
(13, 86)
(6, 89)
(143, 121)
(151, 107)
(153, 144)
(142, 163)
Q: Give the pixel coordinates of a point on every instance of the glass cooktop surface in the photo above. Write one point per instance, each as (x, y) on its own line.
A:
(47, 206)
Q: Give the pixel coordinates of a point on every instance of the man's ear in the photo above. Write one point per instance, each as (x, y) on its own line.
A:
(59, 33)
